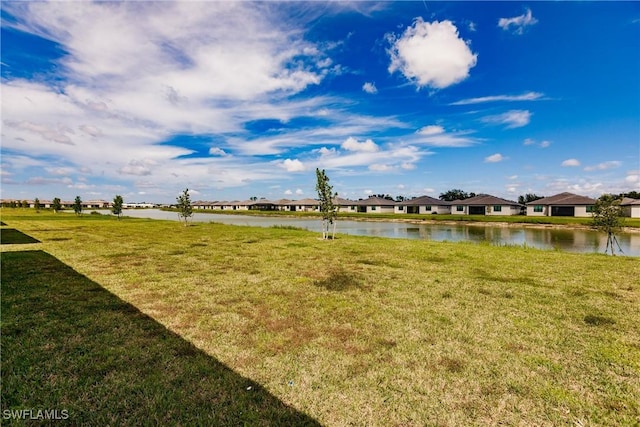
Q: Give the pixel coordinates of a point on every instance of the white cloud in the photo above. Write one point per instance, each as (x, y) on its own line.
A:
(431, 130)
(571, 162)
(518, 23)
(293, 165)
(216, 151)
(529, 141)
(299, 191)
(370, 87)
(380, 167)
(545, 144)
(352, 144)
(512, 119)
(603, 166)
(632, 178)
(494, 158)
(529, 96)
(437, 136)
(431, 54)
(288, 192)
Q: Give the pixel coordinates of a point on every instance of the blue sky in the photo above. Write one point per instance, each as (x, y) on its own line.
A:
(234, 100)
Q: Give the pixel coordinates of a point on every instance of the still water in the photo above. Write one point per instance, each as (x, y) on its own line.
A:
(544, 238)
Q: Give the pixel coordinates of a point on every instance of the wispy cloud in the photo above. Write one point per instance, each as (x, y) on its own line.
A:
(603, 166)
(529, 96)
(437, 136)
(494, 158)
(518, 24)
(571, 163)
(512, 119)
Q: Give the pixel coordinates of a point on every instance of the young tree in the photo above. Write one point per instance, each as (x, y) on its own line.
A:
(77, 205)
(328, 208)
(56, 205)
(36, 204)
(185, 210)
(116, 209)
(607, 217)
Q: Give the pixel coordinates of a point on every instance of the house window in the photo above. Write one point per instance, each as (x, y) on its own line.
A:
(537, 208)
(459, 208)
(427, 208)
(400, 208)
(497, 208)
(590, 209)
(373, 208)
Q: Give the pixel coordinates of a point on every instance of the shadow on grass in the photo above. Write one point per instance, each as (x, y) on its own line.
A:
(11, 236)
(69, 344)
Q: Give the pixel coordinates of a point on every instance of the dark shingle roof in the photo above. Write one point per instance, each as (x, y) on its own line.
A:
(564, 199)
(375, 201)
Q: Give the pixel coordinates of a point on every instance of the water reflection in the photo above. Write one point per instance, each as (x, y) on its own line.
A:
(545, 238)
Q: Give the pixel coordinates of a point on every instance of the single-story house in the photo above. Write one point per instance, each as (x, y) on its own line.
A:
(375, 205)
(485, 204)
(563, 204)
(305, 205)
(423, 205)
(630, 207)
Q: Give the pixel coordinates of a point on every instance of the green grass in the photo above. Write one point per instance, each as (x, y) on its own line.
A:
(356, 330)
(70, 345)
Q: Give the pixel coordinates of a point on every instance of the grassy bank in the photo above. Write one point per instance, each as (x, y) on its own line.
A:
(352, 331)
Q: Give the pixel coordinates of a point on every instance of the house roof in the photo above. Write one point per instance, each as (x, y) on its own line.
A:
(485, 199)
(564, 199)
(306, 202)
(375, 201)
(628, 201)
(424, 200)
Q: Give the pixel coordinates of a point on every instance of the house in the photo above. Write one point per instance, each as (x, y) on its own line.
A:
(305, 205)
(485, 204)
(423, 205)
(630, 207)
(345, 205)
(563, 204)
(375, 205)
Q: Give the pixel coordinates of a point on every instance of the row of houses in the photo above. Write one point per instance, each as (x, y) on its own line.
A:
(563, 204)
(65, 204)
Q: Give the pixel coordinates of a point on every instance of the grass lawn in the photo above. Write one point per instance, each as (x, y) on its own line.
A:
(10, 236)
(359, 330)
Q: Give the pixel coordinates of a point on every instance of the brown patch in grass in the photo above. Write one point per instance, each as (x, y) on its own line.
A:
(452, 364)
(339, 280)
(594, 320)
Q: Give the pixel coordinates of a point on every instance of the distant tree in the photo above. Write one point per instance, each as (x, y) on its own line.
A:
(455, 194)
(401, 198)
(77, 205)
(529, 197)
(607, 217)
(56, 205)
(25, 204)
(328, 209)
(116, 209)
(36, 204)
(13, 204)
(185, 210)
(630, 194)
(253, 198)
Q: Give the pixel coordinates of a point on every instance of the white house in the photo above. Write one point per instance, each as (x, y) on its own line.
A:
(563, 204)
(485, 204)
(423, 205)
(631, 207)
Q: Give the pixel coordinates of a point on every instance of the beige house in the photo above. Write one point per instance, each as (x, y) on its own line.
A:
(485, 204)
(375, 205)
(630, 207)
(423, 205)
(563, 204)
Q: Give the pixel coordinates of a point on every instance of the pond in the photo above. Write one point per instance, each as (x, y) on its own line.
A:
(566, 239)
